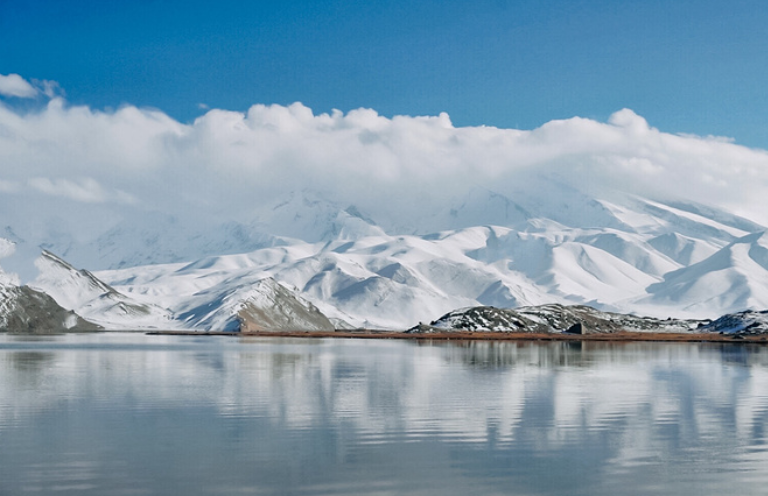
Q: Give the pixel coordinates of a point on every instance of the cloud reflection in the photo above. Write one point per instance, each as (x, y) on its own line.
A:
(282, 415)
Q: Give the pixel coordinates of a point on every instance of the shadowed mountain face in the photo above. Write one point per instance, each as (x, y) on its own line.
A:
(278, 309)
(247, 306)
(24, 310)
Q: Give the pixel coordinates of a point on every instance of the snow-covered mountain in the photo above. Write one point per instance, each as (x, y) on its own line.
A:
(92, 299)
(739, 271)
(543, 243)
(628, 254)
(25, 310)
(256, 305)
(376, 221)
(231, 304)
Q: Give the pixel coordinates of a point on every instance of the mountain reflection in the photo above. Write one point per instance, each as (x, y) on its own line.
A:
(525, 417)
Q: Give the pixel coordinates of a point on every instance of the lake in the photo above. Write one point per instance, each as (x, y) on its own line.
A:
(130, 414)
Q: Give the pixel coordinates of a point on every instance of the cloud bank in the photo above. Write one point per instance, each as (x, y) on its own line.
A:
(229, 164)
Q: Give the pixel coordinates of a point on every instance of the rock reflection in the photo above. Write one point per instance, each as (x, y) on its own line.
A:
(30, 363)
(505, 354)
(26, 369)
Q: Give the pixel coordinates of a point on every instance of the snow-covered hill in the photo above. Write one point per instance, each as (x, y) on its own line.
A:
(553, 318)
(92, 299)
(26, 310)
(627, 255)
(254, 305)
(540, 244)
(741, 323)
(734, 277)
(231, 304)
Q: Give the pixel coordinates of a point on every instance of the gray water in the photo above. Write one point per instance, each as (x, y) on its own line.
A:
(134, 414)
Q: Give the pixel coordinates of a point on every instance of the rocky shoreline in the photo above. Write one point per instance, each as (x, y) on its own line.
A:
(621, 336)
(552, 322)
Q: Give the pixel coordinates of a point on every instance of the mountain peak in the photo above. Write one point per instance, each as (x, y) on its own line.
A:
(95, 300)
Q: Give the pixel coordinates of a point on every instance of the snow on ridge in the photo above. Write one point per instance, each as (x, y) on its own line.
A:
(94, 300)
(627, 255)
(27, 310)
(732, 279)
(394, 281)
(225, 303)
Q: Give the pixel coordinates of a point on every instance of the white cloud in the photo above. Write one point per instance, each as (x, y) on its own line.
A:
(51, 89)
(229, 164)
(15, 85)
(85, 190)
(7, 248)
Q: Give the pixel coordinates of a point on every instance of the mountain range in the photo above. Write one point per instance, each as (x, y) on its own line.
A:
(339, 266)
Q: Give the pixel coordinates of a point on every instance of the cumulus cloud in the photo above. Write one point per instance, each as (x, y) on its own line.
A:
(230, 164)
(16, 86)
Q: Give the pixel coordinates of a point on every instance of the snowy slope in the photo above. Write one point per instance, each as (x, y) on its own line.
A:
(648, 257)
(230, 304)
(377, 281)
(96, 301)
(254, 305)
(26, 310)
(735, 277)
(544, 243)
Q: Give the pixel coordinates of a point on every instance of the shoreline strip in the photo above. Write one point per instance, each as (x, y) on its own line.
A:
(487, 336)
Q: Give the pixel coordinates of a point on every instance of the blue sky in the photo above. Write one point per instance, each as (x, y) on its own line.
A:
(686, 66)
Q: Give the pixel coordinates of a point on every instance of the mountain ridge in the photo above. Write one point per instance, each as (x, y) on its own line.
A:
(619, 253)
(391, 281)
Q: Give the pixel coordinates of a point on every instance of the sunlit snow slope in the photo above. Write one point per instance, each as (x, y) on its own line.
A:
(627, 254)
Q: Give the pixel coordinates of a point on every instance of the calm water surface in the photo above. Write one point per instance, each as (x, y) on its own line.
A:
(134, 414)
